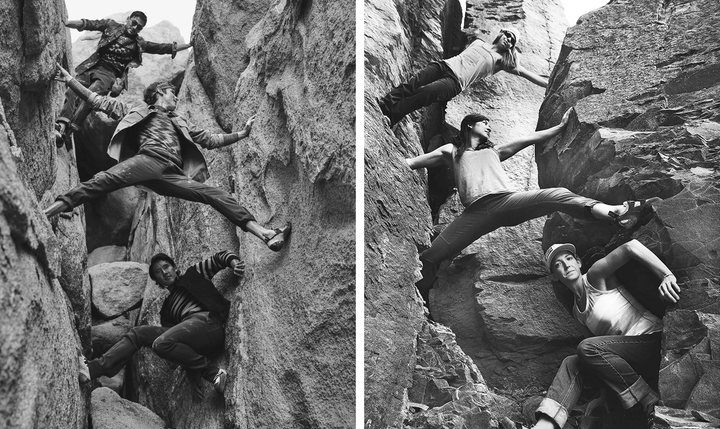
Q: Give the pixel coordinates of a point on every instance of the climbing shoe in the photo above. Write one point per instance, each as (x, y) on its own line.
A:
(634, 210)
(220, 380)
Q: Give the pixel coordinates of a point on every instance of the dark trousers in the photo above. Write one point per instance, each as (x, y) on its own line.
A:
(434, 83)
(623, 364)
(187, 344)
(99, 80)
(492, 212)
(164, 178)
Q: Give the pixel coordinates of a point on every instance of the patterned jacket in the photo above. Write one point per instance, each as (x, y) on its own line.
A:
(122, 148)
(196, 280)
(111, 30)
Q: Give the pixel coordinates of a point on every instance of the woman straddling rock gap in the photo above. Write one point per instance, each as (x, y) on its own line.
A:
(485, 191)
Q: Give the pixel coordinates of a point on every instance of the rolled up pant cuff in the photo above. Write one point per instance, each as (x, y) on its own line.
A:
(635, 393)
(553, 410)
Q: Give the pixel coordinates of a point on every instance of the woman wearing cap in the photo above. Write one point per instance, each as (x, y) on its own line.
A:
(442, 80)
(625, 350)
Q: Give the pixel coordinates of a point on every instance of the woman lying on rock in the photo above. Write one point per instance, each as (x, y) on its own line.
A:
(625, 351)
(484, 190)
(442, 80)
(192, 318)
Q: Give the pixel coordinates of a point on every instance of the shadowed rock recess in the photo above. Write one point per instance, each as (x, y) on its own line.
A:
(290, 350)
(643, 79)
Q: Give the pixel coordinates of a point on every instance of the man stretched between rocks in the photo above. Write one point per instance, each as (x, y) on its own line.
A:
(192, 318)
(156, 148)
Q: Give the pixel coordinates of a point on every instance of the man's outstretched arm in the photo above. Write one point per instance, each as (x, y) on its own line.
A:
(509, 149)
(219, 261)
(111, 106)
(214, 141)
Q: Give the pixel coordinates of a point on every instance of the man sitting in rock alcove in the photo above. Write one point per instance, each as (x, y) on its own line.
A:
(155, 147)
(120, 47)
(192, 318)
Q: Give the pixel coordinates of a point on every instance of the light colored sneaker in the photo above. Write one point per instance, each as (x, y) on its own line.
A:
(220, 380)
(83, 371)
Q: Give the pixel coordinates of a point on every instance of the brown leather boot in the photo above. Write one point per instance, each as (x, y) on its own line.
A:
(56, 208)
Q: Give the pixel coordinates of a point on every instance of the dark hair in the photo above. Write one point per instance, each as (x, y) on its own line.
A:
(509, 57)
(139, 15)
(156, 258)
(150, 95)
(462, 139)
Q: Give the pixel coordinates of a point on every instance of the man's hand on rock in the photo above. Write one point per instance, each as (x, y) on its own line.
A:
(249, 124)
(62, 75)
(238, 267)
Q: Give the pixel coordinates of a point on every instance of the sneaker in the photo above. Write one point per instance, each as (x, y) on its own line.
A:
(650, 416)
(59, 135)
(83, 371)
(634, 210)
(220, 380)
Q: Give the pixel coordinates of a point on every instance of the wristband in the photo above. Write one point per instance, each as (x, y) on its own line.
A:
(668, 275)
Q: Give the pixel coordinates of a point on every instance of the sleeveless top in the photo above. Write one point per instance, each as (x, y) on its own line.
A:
(615, 312)
(478, 173)
(475, 62)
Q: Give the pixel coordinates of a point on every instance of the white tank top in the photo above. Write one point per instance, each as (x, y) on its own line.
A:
(615, 312)
(475, 62)
(478, 173)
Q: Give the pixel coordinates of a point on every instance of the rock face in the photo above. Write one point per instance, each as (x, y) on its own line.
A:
(117, 286)
(110, 411)
(396, 214)
(647, 126)
(45, 315)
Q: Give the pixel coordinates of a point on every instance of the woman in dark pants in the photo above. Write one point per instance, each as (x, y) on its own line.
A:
(442, 80)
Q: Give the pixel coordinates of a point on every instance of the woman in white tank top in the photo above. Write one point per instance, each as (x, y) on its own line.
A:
(442, 80)
(625, 351)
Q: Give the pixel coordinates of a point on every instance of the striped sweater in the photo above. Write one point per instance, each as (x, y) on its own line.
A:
(194, 288)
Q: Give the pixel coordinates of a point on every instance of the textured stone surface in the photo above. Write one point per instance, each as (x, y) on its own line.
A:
(33, 41)
(117, 286)
(106, 333)
(447, 380)
(106, 254)
(396, 213)
(45, 307)
(39, 345)
(110, 411)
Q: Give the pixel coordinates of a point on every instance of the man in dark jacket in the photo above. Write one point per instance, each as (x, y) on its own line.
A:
(120, 47)
(192, 318)
(156, 148)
